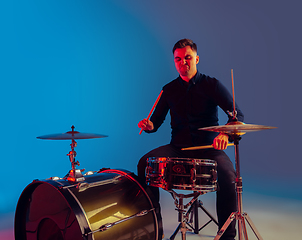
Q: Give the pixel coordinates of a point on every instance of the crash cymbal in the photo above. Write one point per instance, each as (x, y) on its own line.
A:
(236, 128)
(71, 135)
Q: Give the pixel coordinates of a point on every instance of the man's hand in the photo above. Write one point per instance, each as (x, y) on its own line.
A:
(146, 124)
(221, 141)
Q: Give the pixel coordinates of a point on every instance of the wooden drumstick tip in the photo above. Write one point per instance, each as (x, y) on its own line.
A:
(141, 131)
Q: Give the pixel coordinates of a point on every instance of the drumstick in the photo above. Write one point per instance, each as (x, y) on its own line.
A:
(204, 147)
(154, 105)
(233, 90)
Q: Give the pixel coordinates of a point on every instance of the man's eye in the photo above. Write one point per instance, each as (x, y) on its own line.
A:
(177, 59)
(188, 57)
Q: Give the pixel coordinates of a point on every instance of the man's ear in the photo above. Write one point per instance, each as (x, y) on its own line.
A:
(197, 59)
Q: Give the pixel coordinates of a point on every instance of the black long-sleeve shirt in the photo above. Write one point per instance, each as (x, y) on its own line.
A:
(192, 106)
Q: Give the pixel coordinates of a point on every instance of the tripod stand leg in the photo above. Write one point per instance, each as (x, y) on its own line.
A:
(193, 212)
(196, 223)
(194, 215)
(240, 235)
(175, 232)
(207, 213)
(242, 228)
(249, 221)
(225, 225)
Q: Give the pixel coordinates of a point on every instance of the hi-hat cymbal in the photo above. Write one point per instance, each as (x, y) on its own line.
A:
(71, 135)
(236, 128)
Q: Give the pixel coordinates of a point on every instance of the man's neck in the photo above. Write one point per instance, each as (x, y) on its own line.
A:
(185, 78)
(188, 78)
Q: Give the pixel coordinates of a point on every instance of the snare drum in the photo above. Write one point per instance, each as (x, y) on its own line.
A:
(182, 173)
(109, 204)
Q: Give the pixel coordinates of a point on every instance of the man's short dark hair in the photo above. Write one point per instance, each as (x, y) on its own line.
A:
(183, 43)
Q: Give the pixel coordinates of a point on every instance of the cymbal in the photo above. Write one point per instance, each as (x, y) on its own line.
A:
(236, 128)
(71, 135)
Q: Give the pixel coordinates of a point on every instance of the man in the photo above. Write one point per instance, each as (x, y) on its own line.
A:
(193, 99)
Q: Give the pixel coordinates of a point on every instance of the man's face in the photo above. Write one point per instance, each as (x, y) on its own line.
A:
(185, 60)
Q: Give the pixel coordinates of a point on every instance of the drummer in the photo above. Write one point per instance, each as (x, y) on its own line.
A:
(193, 100)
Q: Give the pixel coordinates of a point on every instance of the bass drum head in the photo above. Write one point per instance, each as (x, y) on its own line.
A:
(62, 210)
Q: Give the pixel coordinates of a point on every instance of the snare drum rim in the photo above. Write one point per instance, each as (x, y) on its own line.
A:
(197, 161)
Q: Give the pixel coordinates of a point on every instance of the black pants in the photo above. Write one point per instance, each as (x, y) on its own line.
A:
(226, 194)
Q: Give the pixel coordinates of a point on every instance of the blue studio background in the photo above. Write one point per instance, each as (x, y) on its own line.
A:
(99, 65)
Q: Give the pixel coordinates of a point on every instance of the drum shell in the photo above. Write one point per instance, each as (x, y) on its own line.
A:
(74, 210)
(182, 173)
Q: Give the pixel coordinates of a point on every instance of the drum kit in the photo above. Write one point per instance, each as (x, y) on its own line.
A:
(88, 206)
(114, 204)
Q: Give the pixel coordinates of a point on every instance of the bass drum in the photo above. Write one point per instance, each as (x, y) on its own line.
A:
(108, 204)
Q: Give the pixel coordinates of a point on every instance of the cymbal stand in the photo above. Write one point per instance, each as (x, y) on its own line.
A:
(180, 207)
(239, 215)
(74, 175)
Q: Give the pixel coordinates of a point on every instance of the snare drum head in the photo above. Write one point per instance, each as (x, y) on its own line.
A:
(62, 210)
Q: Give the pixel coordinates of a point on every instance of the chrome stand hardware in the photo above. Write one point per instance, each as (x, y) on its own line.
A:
(74, 175)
